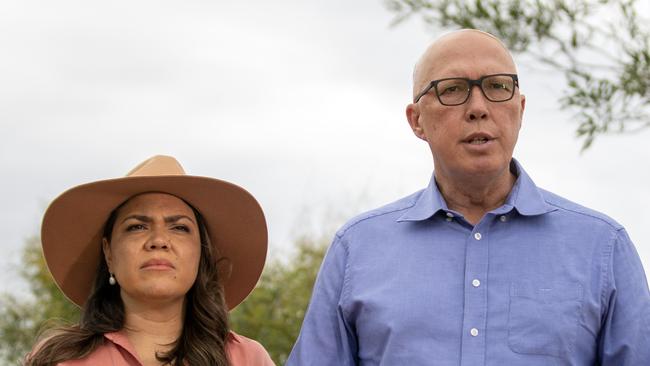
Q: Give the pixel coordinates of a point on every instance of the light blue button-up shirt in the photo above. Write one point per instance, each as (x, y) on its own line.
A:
(538, 281)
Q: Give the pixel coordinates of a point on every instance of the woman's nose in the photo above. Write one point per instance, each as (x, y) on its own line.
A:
(158, 240)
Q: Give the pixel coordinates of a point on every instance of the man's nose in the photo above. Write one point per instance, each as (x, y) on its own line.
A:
(477, 104)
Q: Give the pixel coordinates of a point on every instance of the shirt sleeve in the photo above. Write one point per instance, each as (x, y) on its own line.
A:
(326, 338)
(625, 334)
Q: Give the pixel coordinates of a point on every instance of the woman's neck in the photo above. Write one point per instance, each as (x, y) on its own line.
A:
(153, 328)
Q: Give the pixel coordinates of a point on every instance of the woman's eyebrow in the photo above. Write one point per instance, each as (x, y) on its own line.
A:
(148, 219)
(142, 218)
(170, 219)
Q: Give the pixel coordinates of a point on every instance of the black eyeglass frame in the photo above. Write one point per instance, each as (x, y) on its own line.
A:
(471, 82)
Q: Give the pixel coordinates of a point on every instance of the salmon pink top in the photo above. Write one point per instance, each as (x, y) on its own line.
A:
(118, 351)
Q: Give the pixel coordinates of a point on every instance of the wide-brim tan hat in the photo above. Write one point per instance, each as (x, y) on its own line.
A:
(73, 225)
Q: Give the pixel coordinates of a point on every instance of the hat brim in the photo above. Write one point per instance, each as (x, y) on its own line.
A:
(73, 226)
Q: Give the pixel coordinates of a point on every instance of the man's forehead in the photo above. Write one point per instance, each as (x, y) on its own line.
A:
(469, 34)
(457, 45)
(460, 42)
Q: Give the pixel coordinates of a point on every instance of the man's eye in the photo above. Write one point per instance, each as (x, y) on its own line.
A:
(451, 89)
(499, 86)
(135, 227)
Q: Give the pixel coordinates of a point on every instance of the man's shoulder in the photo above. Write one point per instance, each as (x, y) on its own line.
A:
(568, 207)
(382, 215)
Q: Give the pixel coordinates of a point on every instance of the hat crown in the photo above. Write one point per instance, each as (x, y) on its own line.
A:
(157, 165)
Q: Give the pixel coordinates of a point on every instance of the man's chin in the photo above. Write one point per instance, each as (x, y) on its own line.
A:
(488, 168)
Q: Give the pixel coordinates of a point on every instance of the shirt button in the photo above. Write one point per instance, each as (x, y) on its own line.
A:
(450, 216)
(473, 332)
(476, 283)
(503, 218)
(477, 236)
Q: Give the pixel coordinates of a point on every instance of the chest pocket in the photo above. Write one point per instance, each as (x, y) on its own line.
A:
(543, 320)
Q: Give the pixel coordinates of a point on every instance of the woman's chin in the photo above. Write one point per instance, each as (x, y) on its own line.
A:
(158, 292)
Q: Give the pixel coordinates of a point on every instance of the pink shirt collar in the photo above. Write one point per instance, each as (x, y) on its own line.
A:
(122, 340)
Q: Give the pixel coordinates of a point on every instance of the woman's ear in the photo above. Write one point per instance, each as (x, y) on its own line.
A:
(106, 249)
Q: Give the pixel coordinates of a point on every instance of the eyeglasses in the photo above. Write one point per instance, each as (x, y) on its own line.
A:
(456, 91)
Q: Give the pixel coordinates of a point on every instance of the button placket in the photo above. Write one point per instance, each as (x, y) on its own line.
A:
(450, 217)
(475, 305)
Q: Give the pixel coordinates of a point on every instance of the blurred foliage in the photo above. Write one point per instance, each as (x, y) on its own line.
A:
(272, 314)
(600, 46)
(22, 319)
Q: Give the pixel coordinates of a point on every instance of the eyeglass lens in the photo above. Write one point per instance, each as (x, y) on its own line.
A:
(496, 88)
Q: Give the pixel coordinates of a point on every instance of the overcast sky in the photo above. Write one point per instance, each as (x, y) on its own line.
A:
(300, 102)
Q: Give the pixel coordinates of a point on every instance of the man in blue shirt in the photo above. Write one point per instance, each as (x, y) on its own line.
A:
(482, 267)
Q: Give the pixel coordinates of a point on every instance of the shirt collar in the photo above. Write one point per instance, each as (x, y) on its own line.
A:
(525, 197)
(232, 336)
(120, 338)
(428, 203)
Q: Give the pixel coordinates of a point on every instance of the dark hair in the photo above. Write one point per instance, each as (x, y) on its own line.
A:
(205, 329)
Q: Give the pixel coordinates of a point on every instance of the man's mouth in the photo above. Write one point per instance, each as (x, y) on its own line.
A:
(478, 140)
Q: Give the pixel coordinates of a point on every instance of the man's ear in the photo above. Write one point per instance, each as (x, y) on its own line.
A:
(413, 117)
(108, 255)
(523, 106)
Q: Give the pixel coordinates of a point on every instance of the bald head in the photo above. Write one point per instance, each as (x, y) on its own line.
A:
(441, 55)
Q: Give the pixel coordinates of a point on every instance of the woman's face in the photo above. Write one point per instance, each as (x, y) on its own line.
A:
(155, 248)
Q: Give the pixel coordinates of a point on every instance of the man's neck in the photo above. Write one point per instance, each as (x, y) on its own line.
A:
(475, 196)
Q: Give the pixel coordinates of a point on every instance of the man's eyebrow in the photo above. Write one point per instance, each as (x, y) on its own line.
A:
(168, 219)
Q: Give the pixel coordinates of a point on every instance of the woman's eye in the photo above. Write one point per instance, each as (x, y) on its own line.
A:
(182, 228)
(135, 227)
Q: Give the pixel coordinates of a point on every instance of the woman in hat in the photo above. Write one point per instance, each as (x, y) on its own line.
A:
(155, 260)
